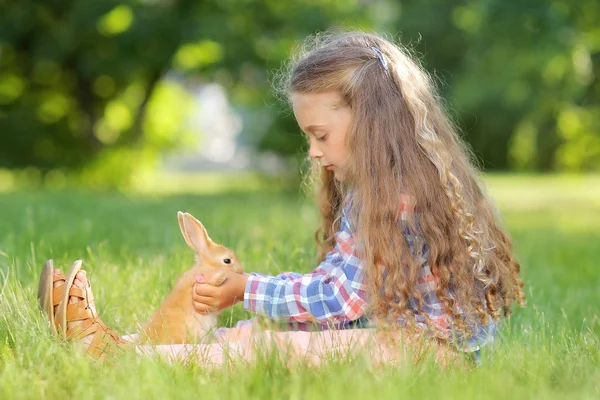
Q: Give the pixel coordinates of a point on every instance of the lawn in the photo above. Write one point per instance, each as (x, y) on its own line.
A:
(133, 251)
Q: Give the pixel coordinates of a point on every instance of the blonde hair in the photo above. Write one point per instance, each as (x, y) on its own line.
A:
(400, 143)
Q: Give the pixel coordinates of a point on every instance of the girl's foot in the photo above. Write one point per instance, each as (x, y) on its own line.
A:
(69, 303)
(80, 282)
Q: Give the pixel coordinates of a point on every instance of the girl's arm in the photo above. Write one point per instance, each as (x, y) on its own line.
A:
(333, 292)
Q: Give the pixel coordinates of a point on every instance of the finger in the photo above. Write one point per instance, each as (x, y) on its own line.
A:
(208, 301)
(203, 308)
(200, 308)
(204, 289)
(212, 277)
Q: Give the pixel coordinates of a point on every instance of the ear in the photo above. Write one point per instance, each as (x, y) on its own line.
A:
(193, 232)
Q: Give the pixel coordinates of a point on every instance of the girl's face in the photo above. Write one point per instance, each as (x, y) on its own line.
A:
(325, 118)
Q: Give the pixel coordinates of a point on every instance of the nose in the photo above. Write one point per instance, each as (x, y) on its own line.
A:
(314, 151)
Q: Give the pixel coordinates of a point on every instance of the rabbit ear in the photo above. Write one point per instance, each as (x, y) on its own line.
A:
(193, 232)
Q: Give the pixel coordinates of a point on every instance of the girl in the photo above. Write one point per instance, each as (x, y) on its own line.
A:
(407, 239)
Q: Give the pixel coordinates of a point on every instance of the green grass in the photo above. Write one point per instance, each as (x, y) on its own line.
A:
(133, 250)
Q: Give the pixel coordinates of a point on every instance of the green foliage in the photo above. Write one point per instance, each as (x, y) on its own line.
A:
(82, 82)
(522, 77)
(133, 251)
(79, 80)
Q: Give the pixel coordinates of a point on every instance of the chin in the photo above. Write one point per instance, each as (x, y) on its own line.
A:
(338, 177)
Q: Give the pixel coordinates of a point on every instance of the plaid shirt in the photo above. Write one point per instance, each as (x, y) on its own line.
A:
(334, 294)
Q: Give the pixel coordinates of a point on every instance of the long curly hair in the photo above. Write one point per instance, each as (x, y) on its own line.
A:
(402, 144)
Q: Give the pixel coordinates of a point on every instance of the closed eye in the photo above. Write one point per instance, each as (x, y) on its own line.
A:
(322, 138)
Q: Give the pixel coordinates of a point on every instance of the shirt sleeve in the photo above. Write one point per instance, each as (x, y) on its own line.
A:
(333, 292)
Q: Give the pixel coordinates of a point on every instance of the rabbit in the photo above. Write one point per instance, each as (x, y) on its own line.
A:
(176, 321)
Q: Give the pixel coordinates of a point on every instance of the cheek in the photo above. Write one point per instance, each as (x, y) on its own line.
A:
(342, 149)
(343, 143)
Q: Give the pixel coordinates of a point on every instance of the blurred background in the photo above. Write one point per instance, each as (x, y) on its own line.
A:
(108, 93)
(114, 115)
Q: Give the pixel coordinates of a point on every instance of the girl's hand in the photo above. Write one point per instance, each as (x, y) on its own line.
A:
(208, 298)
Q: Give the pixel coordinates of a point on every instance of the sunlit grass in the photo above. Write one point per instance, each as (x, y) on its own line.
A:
(133, 251)
(525, 192)
(150, 183)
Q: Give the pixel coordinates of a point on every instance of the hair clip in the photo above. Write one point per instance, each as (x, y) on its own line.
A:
(381, 59)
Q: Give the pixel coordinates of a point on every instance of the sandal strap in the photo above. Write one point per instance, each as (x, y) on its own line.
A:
(57, 295)
(103, 338)
(91, 324)
(57, 292)
(75, 291)
(88, 293)
(96, 350)
(79, 311)
(86, 328)
(102, 341)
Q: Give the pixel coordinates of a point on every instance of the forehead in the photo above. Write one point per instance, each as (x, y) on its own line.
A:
(310, 106)
(332, 99)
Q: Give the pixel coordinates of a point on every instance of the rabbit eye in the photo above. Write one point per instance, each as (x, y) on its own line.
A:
(227, 261)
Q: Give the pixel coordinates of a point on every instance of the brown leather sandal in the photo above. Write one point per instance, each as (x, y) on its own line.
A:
(103, 337)
(45, 291)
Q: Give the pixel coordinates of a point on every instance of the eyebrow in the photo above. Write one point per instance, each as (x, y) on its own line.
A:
(311, 128)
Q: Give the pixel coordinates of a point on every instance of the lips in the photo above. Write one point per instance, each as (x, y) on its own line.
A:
(328, 167)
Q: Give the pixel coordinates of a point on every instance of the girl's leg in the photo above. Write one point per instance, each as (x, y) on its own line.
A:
(242, 329)
(216, 353)
(250, 339)
(307, 348)
(131, 338)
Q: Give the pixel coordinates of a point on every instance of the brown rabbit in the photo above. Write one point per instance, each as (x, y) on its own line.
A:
(176, 321)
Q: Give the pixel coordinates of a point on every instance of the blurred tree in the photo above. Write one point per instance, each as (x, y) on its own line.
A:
(77, 76)
(97, 84)
(522, 77)
(82, 83)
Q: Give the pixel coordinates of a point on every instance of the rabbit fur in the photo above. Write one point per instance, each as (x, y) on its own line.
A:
(176, 321)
